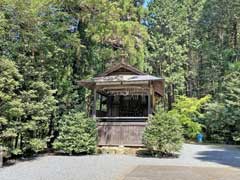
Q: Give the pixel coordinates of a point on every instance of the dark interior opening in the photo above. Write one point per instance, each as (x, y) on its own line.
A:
(123, 106)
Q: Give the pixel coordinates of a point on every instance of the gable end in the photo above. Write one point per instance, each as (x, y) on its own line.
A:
(122, 69)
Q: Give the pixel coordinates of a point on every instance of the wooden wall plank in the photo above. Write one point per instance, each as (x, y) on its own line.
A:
(122, 133)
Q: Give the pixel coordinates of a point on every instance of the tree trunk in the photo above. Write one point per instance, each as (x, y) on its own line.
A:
(170, 96)
(16, 141)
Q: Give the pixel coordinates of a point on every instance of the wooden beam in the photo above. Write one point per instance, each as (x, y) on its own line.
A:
(109, 83)
(144, 117)
(123, 90)
(140, 86)
(121, 123)
(135, 82)
(126, 93)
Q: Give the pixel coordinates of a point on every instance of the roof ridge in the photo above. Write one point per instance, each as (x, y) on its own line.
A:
(120, 65)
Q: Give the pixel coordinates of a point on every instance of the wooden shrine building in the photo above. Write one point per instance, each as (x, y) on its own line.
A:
(124, 98)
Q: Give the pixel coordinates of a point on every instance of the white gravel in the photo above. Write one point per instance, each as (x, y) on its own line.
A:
(111, 167)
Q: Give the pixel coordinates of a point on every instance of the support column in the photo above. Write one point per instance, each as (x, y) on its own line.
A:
(149, 105)
(150, 94)
(100, 108)
(94, 103)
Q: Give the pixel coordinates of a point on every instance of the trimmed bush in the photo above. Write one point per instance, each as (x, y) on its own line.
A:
(37, 145)
(77, 134)
(164, 134)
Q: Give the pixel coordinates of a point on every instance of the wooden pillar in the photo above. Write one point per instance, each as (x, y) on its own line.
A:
(100, 108)
(149, 104)
(94, 103)
(149, 99)
(153, 101)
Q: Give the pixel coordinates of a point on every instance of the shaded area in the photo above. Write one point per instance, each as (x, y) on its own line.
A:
(12, 161)
(145, 153)
(182, 173)
(229, 156)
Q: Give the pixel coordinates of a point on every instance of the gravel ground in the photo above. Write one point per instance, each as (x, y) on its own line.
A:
(182, 173)
(114, 167)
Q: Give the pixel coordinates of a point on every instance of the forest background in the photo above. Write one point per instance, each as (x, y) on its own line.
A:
(46, 46)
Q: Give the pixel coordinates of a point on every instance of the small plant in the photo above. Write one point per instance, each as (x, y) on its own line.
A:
(77, 134)
(37, 145)
(163, 134)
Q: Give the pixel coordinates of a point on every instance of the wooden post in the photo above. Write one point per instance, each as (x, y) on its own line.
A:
(94, 103)
(149, 100)
(100, 108)
(153, 102)
(149, 104)
(152, 97)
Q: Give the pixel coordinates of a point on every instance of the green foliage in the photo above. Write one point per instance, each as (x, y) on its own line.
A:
(53, 44)
(46, 45)
(111, 30)
(163, 134)
(173, 44)
(30, 102)
(16, 152)
(37, 145)
(223, 116)
(77, 134)
(10, 80)
(218, 39)
(187, 110)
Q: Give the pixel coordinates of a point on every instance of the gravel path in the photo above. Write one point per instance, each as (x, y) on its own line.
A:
(182, 173)
(111, 167)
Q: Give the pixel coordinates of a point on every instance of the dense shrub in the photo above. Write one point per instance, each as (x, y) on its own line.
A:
(187, 110)
(26, 111)
(37, 145)
(163, 134)
(77, 134)
(10, 80)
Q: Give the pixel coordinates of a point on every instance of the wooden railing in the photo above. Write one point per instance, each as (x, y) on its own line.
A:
(132, 119)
